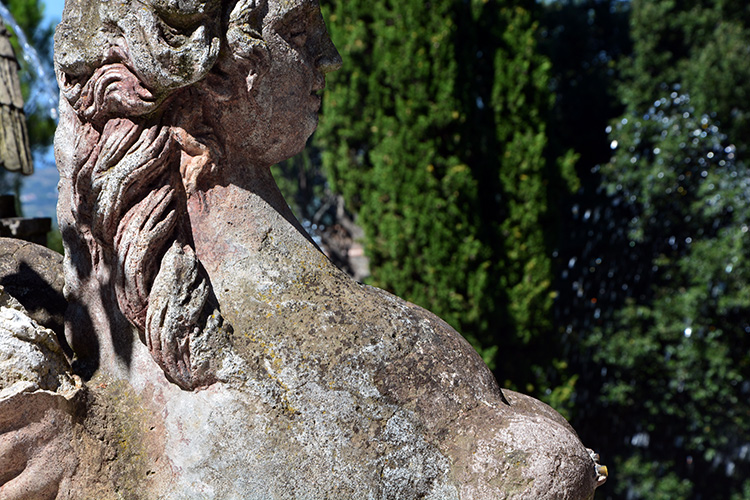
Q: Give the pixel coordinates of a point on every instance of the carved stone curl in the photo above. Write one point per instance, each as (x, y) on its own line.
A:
(260, 369)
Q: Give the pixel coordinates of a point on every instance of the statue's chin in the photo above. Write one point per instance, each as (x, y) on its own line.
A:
(310, 122)
(292, 142)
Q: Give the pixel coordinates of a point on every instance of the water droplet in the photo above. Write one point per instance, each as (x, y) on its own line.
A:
(613, 144)
(729, 469)
(641, 440)
(688, 332)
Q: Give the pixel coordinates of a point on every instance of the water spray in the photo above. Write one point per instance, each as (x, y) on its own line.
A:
(44, 88)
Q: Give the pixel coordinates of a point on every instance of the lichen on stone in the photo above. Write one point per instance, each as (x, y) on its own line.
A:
(30, 356)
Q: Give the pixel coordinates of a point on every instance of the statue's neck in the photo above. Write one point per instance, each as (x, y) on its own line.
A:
(245, 233)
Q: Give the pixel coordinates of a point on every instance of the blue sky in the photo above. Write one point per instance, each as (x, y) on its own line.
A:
(53, 10)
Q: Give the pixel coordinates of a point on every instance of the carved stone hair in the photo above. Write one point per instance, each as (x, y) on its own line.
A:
(125, 180)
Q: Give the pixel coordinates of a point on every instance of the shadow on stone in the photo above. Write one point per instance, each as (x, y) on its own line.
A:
(33, 275)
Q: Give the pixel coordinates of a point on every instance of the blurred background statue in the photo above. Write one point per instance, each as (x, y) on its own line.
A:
(15, 154)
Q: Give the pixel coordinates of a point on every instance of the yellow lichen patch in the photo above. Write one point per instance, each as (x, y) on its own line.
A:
(120, 428)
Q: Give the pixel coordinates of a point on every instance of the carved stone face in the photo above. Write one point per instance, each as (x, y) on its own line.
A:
(285, 90)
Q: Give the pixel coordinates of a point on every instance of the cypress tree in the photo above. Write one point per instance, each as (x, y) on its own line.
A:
(435, 133)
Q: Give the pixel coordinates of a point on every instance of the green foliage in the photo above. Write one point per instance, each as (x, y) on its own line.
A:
(54, 241)
(652, 480)
(654, 296)
(675, 357)
(698, 44)
(28, 14)
(435, 132)
(744, 494)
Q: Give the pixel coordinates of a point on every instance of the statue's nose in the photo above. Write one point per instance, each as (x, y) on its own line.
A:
(329, 59)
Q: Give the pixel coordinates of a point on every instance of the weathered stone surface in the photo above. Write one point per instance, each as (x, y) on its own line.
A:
(30, 356)
(37, 407)
(228, 357)
(59, 439)
(33, 275)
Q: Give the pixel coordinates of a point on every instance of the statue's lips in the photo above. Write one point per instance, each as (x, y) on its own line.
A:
(317, 97)
(318, 85)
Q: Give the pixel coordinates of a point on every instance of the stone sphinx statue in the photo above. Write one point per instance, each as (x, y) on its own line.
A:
(224, 355)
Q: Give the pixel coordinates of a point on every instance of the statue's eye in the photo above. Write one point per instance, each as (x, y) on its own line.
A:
(296, 26)
(298, 37)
